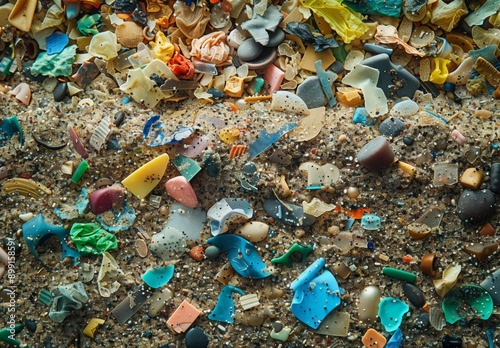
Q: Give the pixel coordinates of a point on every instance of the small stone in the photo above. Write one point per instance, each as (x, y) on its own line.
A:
(422, 321)
(30, 325)
(196, 338)
(181, 190)
(249, 50)
(414, 295)
(311, 92)
(408, 141)
(475, 206)
(253, 231)
(119, 118)
(391, 127)
(276, 38)
(277, 326)
(212, 252)
(196, 253)
(60, 91)
(376, 155)
(472, 178)
(368, 304)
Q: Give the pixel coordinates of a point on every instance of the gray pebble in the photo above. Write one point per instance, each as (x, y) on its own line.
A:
(267, 56)
(414, 295)
(249, 50)
(196, 338)
(376, 155)
(475, 206)
(337, 67)
(391, 127)
(119, 118)
(408, 141)
(212, 252)
(311, 92)
(60, 91)
(422, 322)
(276, 38)
(277, 326)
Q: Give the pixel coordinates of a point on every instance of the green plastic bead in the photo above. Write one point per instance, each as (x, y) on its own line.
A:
(285, 259)
(90, 238)
(82, 168)
(399, 274)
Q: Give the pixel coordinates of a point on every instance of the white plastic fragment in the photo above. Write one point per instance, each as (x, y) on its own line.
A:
(108, 274)
(100, 134)
(450, 275)
(104, 45)
(249, 301)
(445, 174)
(405, 108)
(289, 102)
(26, 216)
(317, 207)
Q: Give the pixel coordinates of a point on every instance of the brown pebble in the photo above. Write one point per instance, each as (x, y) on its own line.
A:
(197, 253)
(487, 230)
(481, 250)
(141, 247)
(164, 210)
(352, 192)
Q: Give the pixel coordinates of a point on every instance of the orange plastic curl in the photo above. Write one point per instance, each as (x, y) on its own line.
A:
(181, 66)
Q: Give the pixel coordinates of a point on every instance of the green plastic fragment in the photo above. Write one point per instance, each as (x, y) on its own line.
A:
(82, 168)
(186, 166)
(339, 53)
(8, 128)
(87, 25)
(467, 302)
(45, 296)
(7, 334)
(255, 86)
(55, 64)
(281, 335)
(90, 238)
(285, 259)
(399, 274)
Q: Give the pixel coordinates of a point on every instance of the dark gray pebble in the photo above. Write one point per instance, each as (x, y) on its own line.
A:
(391, 127)
(276, 38)
(337, 67)
(414, 295)
(422, 321)
(408, 141)
(311, 92)
(376, 155)
(475, 206)
(267, 56)
(119, 118)
(212, 252)
(60, 91)
(196, 338)
(30, 325)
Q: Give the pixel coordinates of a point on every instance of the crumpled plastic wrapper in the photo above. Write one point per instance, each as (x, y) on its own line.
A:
(447, 16)
(68, 297)
(450, 275)
(108, 274)
(191, 20)
(212, 48)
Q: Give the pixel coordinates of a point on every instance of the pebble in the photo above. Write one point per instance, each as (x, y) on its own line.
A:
(159, 301)
(212, 252)
(30, 325)
(475, 206)
(414, 295)
(267, 56)
(391, 127)
(119, 118)
(60, 91)
(196, 338)
(405, 108)
(376, 155)
(253, 231)
(196, 253)
(368, 304)
(249, 50)
(408, 141)
(276, 37)
(311, 92)
(3, 172)
(181, 190)
(422, 321)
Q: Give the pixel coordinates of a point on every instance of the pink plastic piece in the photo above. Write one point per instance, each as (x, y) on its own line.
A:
(106, 199)
(274, 77)
(183, 317)
(23, 93)
(77, 143)
(181, 190)
(458, 137)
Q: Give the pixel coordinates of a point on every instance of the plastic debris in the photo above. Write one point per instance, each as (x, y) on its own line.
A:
(449, 278)
(158, 277)
(80, 170)
(181, 190)
(67, 298)
(253, 231)
(186, 166)
(224, 309)
(318, 176)
(368, 304)
(371, 222)
(107, 198)
(117, 220)
(376, 155)
(373, 339)
(225, 210)
(396, 339)
(155, 127)
(90, 238)
(109, 272)
(265, 140)
(25, 187)
(391, 311)
(159, 301)
(55, 65)
(285, 259)
(316, 207)
(141, 182)
(467, 302)
(436, 318)
(22, 92)
(131, 304)
(242, 255)
(85, 272)
(187, 220)
(319, 42)
(183, 317)
(335, 324)
(11, 126)
(399, 274)
(249, 176)
(309, 127)
(92, 326)
(167, 243)
(287, 213)
(492, 285)
(37, 230)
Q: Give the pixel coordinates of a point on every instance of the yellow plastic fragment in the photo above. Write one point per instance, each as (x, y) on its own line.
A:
(450, 275)
(447, 15)
(229, 135)
(26, 187)
(141, 182)
(347, 23)
(162, 47)
(439, 70)
(472, 178)
(234, 86)
(407, 168)
(92, 326)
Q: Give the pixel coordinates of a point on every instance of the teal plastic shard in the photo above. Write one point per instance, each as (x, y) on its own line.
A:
(68, 297)
(87, 25)
(37, 230)
(396, 339)
(316, 294)
(90, 238)
(326, 78)
(391, 311)
(242, 255)
(492, 285)
(186, 166)
(116, 221)
(467, 302)
(157, 277)
(45, 296)
(224, 309)
(227, 209)
(490, 7)
(371, 222)
(8, 337)
(285, 259)
(391, 8)
(10, 127)
(73, 211)
(287, 213)
(55, 65)
(265, 139)
(488, 53)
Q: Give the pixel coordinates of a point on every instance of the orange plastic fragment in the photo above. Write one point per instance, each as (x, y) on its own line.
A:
(183, 317)
(357, 213)
(234, 108)
(487, 230)
(373, 339)
(257, 98)
(407, 259)
(237, 150)
(182, 67)
(197, 253)
(348, 96)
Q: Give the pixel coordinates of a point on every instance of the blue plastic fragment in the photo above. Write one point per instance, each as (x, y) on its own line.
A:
(287, 213)
(490, 336)
(10, 127)
(225, 209)
(37, 230)
(370, 222)
(265, 140)
(224, 309)
(395, 340)
(123, 219)
(154, 126)
(186, 166)
(348, 224)
(361, 116)
(326, 79)
(80, 205)
(316, 294)
(391, 311)
(390, 8)
(487, 52)
(157, 277)
(242, 255)
(56, 42)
